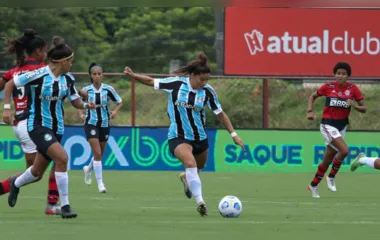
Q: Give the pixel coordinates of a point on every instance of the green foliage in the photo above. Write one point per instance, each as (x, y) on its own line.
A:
(146, 39)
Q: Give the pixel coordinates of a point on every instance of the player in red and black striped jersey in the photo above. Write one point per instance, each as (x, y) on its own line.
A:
(35, 47)
(341, 96)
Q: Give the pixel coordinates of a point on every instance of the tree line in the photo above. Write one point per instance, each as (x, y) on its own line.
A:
(146, 39)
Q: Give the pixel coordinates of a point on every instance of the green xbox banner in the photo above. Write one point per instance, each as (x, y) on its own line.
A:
(11, 154)
(286, 151)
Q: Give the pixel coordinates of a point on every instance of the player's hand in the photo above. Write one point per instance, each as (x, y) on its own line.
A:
(82, 116)
(239, 142)
(90, 105)
(351, 102)
(113, 114)
(128, 71)
(311, 116)
(7, 116)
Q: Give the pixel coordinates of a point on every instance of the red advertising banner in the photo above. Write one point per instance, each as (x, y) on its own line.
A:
(305, 3)
(304, 42)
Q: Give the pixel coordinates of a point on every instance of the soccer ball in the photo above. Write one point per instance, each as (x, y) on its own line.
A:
(230, 207)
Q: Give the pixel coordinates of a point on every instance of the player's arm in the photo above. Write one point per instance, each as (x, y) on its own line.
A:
(144, 79)
(74, 97)
(5, 78)
(166, 84)
(216, 107)
(320, 92)
(359, 104)
(227, 123)
(311, 101)
(7, 115)
(79, 104)
(76, 100)
(115, 97)
(83, 93)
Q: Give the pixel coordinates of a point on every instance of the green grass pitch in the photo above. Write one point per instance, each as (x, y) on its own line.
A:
(151, 205)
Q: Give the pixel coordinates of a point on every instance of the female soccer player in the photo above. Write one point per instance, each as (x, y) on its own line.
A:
(340, 96)
(187, 98)
(361, 159)
(35, 47)
(96, 124)
(49, 88)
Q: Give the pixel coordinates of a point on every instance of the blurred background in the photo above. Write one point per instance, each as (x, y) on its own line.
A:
(159, 40)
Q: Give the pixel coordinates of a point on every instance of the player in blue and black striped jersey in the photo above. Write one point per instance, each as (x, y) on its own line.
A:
(187, 99)
(97, 121)
(49, 87)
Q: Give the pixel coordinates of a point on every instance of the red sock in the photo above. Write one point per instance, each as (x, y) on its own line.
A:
(319, 175)
(5, 187)
(53, 195)
(335, 168)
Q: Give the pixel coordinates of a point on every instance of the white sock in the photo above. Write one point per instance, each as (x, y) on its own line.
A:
(369, 161)
(195, 184)
(98, 172)
(91, 165)
(62, 180)
(25, 178)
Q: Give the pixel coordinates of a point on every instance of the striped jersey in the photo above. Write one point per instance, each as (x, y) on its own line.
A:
(47, 96)
(101, 97)
(186, 107)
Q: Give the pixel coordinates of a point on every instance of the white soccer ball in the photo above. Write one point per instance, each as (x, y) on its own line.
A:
(230, 207)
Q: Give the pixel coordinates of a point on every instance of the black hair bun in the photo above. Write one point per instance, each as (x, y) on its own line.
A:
(29, 32)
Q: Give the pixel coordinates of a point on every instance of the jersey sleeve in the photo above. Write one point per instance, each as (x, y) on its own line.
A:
(34, 77)
(213, 101)
(72, 93)
(167, 84)
(322, 90)
(358, 96)
(8, 75)
(113, 95)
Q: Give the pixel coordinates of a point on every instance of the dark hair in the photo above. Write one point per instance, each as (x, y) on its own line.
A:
(28, 42)
(343, 65)
(197, 66)
(92, 65)
(59, 51)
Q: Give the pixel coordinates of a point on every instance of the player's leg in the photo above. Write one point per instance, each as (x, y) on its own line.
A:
(49, 147)
(184, 152)
(60, 158)
(5, 184)
(200, 152)
(339, 144)
(52, 207)
(31, 175)
(97, 164)
(27, 147)
(30, 150)
(102, 148)
(98, 145)
(324, 165)
(361, 159)
(91, 132)
(201, 159)
(322, 168)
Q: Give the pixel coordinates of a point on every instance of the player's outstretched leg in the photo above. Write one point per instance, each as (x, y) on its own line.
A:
(184, 152)
(361, 159)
